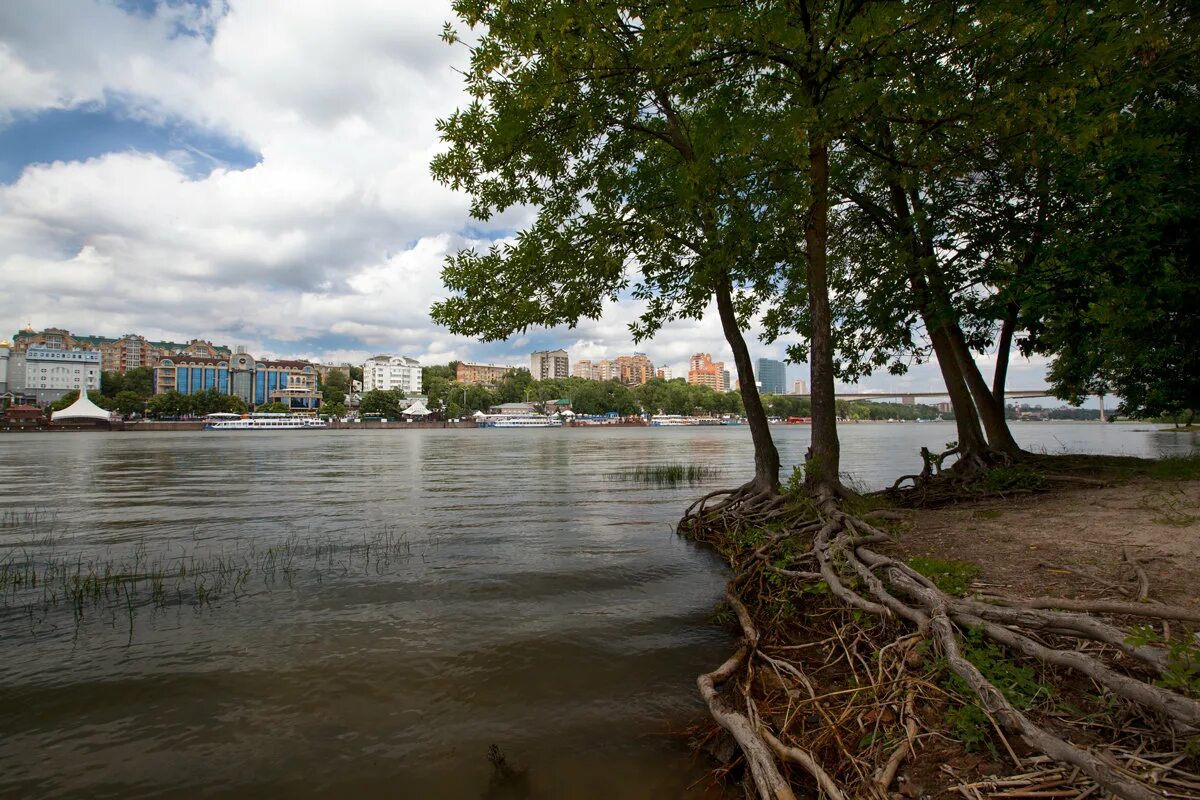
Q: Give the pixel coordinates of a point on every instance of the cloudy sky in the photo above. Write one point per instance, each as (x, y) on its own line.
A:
(256, 173)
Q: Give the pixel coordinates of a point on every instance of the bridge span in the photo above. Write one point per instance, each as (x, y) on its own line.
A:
(910, 398)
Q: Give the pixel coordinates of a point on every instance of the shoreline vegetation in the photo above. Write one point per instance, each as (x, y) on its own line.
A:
(863, 673)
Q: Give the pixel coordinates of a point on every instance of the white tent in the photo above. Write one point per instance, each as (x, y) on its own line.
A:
(417, 409)
(478, 414)
(83, 408)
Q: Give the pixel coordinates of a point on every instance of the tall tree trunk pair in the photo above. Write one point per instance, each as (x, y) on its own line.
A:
(976, 405)
(990, 414)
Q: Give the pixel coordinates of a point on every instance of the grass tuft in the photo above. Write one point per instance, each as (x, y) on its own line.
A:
(675, 474)
(952, 577)
(1175, 468)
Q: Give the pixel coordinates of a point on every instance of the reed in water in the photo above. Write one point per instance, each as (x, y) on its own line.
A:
(674, 474)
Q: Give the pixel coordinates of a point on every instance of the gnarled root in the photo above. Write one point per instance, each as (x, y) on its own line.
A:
(878, 609)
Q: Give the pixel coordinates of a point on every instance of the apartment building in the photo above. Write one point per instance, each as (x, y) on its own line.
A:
(703, 371)
(482, 374)
(546, 364)
(634, 370)
(387, 372)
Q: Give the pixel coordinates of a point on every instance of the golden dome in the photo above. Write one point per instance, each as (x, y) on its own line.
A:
(5, 343)
(28, 328)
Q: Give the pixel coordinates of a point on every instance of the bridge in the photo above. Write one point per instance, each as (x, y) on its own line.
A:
(909, 398)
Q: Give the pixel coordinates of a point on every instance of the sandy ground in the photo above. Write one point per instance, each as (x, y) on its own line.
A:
(1025, 544)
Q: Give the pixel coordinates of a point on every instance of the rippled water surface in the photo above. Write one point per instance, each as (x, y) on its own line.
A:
(363, 613)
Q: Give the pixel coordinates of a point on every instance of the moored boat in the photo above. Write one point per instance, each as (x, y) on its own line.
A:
(520, 421)
(665, 420)
(261, 422)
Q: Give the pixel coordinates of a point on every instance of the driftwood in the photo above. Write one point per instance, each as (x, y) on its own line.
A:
(827, 550)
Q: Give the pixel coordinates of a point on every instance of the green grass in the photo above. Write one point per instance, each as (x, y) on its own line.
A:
(1018, 477)
(952, 577)
(987, 513)
(1175, 468)
(1020, 684)
(674, 474)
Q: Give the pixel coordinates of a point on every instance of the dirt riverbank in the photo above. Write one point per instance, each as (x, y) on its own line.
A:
(1111, 534)
(1072, 543)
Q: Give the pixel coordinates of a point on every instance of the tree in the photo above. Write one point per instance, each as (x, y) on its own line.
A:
(356, 374)
(334, 388)
(167, 404)
(960, 198)
(448, 373)
(111, 383)
(129, 402)
(333, 409)
(385, 403)
(275, 407)
(140, 381)
(598, 122)
(1115, 302)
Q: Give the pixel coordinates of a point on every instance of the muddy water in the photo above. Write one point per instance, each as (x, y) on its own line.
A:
(352, 613)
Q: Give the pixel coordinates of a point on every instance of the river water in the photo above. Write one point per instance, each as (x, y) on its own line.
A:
(364, 613)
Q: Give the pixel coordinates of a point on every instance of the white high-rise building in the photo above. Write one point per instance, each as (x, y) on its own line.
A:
(392, 372)
(549, 364)
(799, 386)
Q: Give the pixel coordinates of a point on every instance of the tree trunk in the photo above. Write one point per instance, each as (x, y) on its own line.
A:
(766, 456)
(971, 444)
(992, 415)
(824, 456)
(1007, 328)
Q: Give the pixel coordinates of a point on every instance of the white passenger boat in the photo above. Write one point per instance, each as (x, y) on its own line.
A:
(663, 420)
(261, 422)
(521, 421)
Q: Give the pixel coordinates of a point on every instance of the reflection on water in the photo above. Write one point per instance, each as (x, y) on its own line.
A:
(535, 604)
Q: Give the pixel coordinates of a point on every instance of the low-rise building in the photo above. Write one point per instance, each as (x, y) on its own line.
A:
(256, 382)
(482, 374)
(44, 374)
(387, 373)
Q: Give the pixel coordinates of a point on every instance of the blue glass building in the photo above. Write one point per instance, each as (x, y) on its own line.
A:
(257, 383)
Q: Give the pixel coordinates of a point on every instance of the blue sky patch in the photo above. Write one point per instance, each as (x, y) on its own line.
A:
(83, 133)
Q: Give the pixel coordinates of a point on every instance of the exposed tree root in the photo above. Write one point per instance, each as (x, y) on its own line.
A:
(813, 598)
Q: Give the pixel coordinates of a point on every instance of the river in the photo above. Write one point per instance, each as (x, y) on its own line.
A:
(364, 613)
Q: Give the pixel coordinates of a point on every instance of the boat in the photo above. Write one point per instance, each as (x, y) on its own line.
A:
(663, 420)
(799, 420)
(520, 421)
(261, 422)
